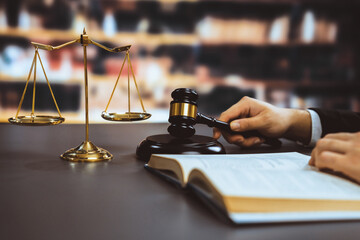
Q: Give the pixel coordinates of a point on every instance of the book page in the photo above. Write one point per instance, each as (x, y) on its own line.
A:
(270, 183)
(249, 218)
(271, 177)
(280, 161)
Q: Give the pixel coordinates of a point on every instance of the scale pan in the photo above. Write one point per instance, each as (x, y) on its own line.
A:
(37, 120)
(125, 117)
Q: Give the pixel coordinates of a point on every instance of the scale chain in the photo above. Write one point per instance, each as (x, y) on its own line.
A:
(47, 80)
(127, 56)
(137, 89)
(34, 87)
(27, 82)
(117, 81)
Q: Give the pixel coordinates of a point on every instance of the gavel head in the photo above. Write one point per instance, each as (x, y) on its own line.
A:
(183, 112)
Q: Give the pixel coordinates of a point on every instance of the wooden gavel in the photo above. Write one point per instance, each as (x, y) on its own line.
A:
(184, 115)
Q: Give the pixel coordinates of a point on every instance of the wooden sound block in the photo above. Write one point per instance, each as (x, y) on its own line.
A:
(167, 144)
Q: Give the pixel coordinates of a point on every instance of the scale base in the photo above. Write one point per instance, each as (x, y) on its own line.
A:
(86, 152)
(167, 144)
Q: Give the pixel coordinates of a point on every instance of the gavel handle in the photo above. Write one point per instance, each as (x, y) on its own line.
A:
(212, 122)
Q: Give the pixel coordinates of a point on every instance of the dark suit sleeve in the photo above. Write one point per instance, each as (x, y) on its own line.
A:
(333, 121)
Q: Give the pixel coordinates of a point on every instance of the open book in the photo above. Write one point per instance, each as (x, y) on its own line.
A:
(259, 188)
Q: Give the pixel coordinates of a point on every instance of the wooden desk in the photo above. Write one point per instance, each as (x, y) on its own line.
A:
(43, 197)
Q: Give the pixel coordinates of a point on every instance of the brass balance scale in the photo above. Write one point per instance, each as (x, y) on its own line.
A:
(86, 151)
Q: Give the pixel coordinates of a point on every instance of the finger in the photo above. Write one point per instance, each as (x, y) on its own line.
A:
(247, 124)
(311, 161)
(239, 140)
(313, 157)
(331, 160)
(333, 145)
(240, 109)
(233, 138)
(340, 136)
(216, 133)
(340, 163)
(252, 142)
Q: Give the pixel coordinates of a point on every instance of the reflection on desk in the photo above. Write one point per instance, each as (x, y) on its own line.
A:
(43, 197)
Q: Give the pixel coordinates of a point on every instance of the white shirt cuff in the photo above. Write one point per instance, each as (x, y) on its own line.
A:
(316, 128)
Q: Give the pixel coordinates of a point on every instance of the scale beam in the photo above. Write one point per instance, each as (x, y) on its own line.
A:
(50, 48)
(115, 50)
(88, 41)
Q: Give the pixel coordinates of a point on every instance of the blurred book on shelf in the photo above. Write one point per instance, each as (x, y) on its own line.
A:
(243, 31)
(289, 53)
(317, 30)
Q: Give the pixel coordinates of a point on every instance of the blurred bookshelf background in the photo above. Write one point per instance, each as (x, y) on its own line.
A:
(291, 53)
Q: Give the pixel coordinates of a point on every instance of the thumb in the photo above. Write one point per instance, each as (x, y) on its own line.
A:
(246, 124)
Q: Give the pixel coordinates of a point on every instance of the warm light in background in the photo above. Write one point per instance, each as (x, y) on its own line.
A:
(292, 53)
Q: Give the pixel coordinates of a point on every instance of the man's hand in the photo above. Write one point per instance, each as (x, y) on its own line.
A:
(251, 114)
(339, 152)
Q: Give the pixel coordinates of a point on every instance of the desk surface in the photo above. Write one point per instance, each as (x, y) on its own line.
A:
(43, 197)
